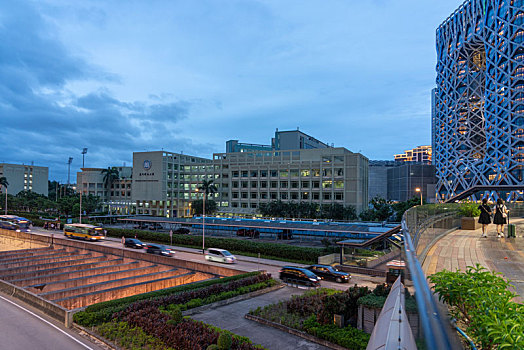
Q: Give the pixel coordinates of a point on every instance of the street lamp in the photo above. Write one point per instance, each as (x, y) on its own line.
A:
(203, 219)
(418, 190)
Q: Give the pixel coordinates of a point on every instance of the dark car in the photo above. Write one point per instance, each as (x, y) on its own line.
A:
(155, 226)
(248, 233)
(159, 250)
(285, 234)
(7, 225)
(134, 243)
(292, 274)
(181, 231)
(330, 273)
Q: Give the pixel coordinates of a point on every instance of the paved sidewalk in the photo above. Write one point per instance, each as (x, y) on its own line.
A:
(463, 248)
(231, 317)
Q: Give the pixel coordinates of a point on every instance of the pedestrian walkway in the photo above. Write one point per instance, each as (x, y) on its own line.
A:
(462, 248)
(231, 317)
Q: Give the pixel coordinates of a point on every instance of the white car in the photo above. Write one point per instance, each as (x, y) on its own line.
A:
(220, 255)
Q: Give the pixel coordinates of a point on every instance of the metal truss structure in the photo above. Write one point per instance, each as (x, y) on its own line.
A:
(478, 111)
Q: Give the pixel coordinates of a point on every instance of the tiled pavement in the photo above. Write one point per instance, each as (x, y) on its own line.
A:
(463, 248)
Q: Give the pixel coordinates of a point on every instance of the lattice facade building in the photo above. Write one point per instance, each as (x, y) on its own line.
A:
(478, 121)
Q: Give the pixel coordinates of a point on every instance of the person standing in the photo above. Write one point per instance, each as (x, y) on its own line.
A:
(485, 216)
(500, 217)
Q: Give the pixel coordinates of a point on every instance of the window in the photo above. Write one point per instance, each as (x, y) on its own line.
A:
(244, 173)
(244, 184)
(284, 173)
(253, 195)
(339, 184)
(339, 196)
(305, 172)
(244, 195)
(263, 195)
(326, 196)
(234, 195)
(326, 172)
(243, 205)
(283, 184)
(305, 195)
(294, 172)
(327, 184)
(273, 173)
(294, 195)
(274, 184)
(339, 172)
(263, 184)
(316, 172)
(234, 204)
(235, 184)
(294, 184)
(273, 195)
(283, 195)
(253, 184)
(316, 184)
(235, 174)
(253, 205)
(263, 173)
(254, 173)
(316, 196)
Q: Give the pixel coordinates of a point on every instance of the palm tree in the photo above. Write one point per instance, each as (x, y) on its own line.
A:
(110, 175)
(4, 183)
(207, 188)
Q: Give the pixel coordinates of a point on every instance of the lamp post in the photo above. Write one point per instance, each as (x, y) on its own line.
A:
(418, 190)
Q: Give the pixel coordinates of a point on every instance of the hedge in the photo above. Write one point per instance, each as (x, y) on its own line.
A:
(102, 312)
(283, 252)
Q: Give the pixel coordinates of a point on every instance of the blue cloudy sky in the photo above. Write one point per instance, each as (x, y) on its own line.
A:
(124, 76)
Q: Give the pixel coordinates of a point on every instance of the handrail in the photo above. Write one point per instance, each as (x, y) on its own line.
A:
(436, 334)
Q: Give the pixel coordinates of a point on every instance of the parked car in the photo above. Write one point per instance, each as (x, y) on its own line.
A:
(285, 234)
(159, 250)
(181, 231)
(293, 274)
(134, 243)
(330, 273)
(7, 225)
(248, 233)
(155, 226)
(220, 255)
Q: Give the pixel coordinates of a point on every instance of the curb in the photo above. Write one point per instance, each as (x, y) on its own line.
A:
(95, 338)
(294, 332)
(224, 302)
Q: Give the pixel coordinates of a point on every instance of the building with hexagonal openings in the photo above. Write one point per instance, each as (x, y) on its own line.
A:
(478, 104)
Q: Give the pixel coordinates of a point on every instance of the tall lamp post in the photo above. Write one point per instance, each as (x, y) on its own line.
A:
(418, 190)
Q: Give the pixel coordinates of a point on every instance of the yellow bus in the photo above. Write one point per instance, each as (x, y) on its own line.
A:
(84, 231)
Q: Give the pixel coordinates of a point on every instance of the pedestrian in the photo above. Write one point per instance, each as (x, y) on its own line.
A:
(500, 217)
(123, 241)
(485, 216)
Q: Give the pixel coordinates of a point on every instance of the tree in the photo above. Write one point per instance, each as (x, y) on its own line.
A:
(401, 207)
(197, 205)
(110, 175)
(207, 188)
(4, 184)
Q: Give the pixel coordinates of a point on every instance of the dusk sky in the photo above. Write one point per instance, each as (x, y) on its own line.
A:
(186, 76)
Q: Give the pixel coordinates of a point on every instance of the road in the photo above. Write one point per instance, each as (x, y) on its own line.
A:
(23, 328)
(244, 263)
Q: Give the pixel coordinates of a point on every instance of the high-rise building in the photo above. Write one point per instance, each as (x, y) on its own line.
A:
(420, 154)
(478, 128)
(25, 178)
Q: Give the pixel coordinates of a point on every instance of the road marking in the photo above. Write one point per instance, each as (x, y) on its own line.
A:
(49, 323)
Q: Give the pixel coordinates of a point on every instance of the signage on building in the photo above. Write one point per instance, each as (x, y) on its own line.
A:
(147, 164)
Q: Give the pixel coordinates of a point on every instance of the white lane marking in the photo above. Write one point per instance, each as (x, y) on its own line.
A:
(49, 323)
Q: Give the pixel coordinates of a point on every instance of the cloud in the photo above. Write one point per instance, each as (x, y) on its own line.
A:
(44, 122)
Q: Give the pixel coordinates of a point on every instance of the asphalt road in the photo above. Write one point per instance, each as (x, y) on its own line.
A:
(244, 263)
(23, 328)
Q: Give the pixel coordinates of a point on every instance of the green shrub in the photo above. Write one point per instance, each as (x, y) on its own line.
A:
(348, 337)
(224, 341)
(130, 337)
(283, 252)
(481, 300)
(469, 210)
(176, 315)
(212, 347)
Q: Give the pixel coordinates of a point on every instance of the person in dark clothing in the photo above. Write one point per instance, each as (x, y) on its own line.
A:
(499, 219)
(485, 216)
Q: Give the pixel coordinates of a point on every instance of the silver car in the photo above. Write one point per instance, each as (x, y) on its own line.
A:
(220, 255)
